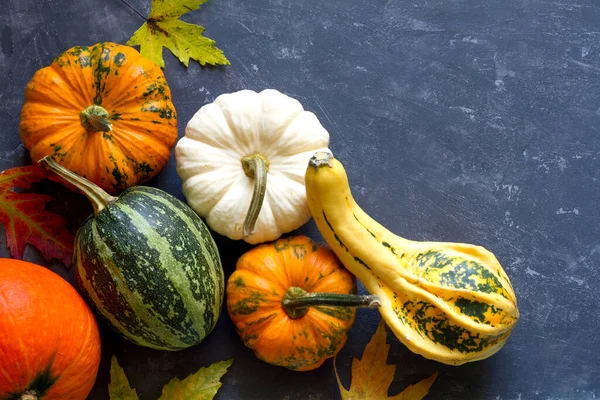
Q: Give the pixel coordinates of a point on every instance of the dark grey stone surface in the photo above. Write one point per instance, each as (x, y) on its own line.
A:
(459, 120)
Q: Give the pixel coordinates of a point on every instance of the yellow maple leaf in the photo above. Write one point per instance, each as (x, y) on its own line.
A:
(118, 388)
(202, 385)
(163, 28)
(371, 376)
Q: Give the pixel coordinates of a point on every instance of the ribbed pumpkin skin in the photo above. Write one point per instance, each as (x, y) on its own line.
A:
(129, 87)
(450, 302)
(149, 266)
(255, 293)
(49, 338)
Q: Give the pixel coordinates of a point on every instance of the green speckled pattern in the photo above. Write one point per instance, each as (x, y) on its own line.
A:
(149, 266)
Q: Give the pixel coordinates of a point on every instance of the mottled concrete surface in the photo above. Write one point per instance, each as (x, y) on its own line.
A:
(457, 120)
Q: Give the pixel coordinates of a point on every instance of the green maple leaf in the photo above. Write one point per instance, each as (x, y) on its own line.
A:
(118, 388)
(163, 28)
(203, 385)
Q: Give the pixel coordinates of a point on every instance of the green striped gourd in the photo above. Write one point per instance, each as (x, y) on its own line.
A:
(147, 263)
(450, 302)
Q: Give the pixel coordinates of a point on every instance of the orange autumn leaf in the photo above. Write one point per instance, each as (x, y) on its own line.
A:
(371, 376)
(25, 219)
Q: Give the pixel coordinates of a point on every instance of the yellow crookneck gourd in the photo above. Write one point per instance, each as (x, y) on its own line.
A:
(449, 302)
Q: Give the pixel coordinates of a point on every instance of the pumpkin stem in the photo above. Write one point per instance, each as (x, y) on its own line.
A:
(297, 301)
(321, 159)
(29, 395)
(95, 119)
(98, 197)
(256, 167)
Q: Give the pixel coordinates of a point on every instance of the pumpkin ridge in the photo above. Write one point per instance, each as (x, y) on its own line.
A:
(243, 205)
(78, 91)
(298, 178)
(277, 133)
(124, 134)
(100, 53)
(105, 151)
(44, 93)
(244, 148)
(322, 323)
(254, 276)
(82, 353)
(195, 133)
(278, 188)
(67, 138)
(4, 303)
(128, 145)
(211, 199)
(43, 111)
(136, 89)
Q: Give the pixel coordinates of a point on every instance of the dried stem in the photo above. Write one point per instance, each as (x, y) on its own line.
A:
(136, 11)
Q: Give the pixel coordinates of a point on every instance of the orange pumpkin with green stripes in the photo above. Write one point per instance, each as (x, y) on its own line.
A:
(293, 303)
(104, 112)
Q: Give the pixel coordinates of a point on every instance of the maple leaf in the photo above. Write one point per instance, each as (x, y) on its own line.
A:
(371, 376)
(163, 28)
(118, 388)
(25, 219)
(203, 385)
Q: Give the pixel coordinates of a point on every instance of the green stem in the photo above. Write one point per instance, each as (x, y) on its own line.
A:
(256, 167)
(297, 301)
(95, 119)
(98, 197)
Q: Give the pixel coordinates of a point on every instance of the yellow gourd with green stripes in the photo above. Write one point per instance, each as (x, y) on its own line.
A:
(450, 302)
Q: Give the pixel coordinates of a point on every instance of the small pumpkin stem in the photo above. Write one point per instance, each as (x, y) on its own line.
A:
(98, 197)
(29, 395)
(321, 159)
(95, 119)
(297, 301)
(256, 167)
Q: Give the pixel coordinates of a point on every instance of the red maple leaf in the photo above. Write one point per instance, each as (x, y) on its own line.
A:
(26, 220)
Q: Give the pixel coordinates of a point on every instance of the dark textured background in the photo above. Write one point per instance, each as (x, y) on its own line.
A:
(460, 120)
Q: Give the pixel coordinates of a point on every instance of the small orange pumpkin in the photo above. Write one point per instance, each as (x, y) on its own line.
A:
(50, 343)
(103, 112)
(292, 302)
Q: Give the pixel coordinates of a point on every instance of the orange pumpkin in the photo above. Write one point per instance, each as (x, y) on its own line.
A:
(50, 344)
(103, 112)
(292, 302)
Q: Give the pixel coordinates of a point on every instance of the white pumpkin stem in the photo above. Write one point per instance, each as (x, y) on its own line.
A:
(256, 167)
(95, 119)
(98, 197)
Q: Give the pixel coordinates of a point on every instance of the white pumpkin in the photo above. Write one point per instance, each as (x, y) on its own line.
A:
(243, 147)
